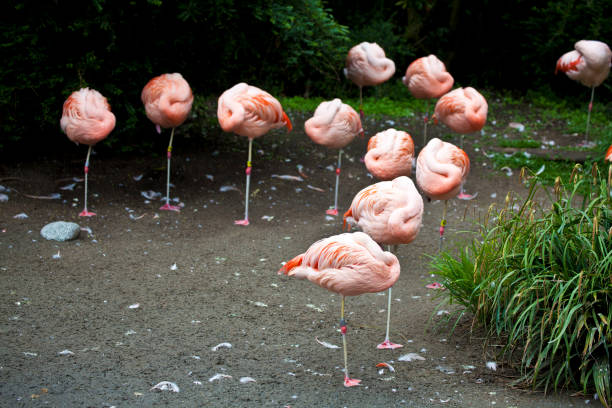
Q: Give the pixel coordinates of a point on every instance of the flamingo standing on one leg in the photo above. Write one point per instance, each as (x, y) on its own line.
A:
(167, 100)
(334, 125)
(390, 154)
(367, 65)
(588, 64)
(249, 111)
(427, 78)
(349, 264)
(463, 110)
(87, 119)
(390, 212)
(441, 170)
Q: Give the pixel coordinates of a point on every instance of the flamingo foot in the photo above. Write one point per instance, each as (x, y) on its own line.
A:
(244, 222)
(86, 213)
(351, 382)
(332, 211)
(387, 345)
(169, 207)
(466, 196)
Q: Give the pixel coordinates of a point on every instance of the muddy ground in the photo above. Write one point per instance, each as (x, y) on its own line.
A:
(143, 296)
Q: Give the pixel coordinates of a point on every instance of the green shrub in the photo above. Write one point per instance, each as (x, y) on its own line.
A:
(541, 278)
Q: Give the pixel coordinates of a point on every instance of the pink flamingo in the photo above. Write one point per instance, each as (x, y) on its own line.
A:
(349, 264)
(249, 111)
(427, 78)
(463, 110)
(390, 212)
(167, 100)
(367, 65)
(588, 64)
(441, 170)
(609, 154)
(390, 154)
(87, 119)
(333, 125)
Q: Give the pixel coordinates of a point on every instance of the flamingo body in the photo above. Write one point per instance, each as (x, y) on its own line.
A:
(428, 78)
(463, 110)
(390, 154)
(367, 65)
(609, 154)
(389, 211)
(441, 169)
(334, 124)
(167, 99)
(86, 117)
(349, 264)
(249, 111)
(588, 64)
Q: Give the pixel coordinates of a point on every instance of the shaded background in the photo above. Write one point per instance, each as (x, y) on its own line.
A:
(291, 47)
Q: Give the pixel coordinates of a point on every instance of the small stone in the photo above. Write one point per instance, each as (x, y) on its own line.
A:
(61, 231)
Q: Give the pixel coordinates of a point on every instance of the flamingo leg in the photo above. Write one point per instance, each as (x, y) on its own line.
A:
(586, 140)
(425, 121)
(348, 382)
(387, 344)
(85, 212)
(168, 206)
(245, 221)
(334, 211)
(443, 223)
(462, 194)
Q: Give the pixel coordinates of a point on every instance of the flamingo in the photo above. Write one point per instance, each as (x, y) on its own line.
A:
(588, 64)
(87, 119)
(390, 212)
(367, 65)
(390, 154)
(427, 78)
(441, 170)
(167, 99)
(349, 264)
(463, 110)
(249, 111)
(333, 125)
(608, 156)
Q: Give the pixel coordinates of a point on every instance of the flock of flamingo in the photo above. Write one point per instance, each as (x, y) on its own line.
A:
(388, 212)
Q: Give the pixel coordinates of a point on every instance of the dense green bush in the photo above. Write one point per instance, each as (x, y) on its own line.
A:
(540, 277)
(289, 47)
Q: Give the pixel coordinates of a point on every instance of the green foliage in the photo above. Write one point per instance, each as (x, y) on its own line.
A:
(541, 278)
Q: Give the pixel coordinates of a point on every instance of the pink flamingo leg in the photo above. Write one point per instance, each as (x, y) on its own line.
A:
(443, 224)
(425, 121)
(334, 211)
(348, 382)
(387, 344)
(586, 138)
(245, 221)
(462, 194)
(85, 212)
(168, 206)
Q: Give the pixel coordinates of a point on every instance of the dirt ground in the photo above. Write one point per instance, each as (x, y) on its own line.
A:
(144, 296)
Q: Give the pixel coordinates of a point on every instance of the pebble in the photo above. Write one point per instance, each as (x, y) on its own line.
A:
(61, 231)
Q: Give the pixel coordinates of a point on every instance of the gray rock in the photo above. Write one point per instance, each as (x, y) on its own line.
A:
(61, 231)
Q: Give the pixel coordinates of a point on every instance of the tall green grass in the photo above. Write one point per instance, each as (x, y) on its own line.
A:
(540, 277)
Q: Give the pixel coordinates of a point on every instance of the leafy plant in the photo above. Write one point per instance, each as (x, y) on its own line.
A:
(540, 276)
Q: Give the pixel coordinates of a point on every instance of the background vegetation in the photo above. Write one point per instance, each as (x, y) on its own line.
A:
(288, 47)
